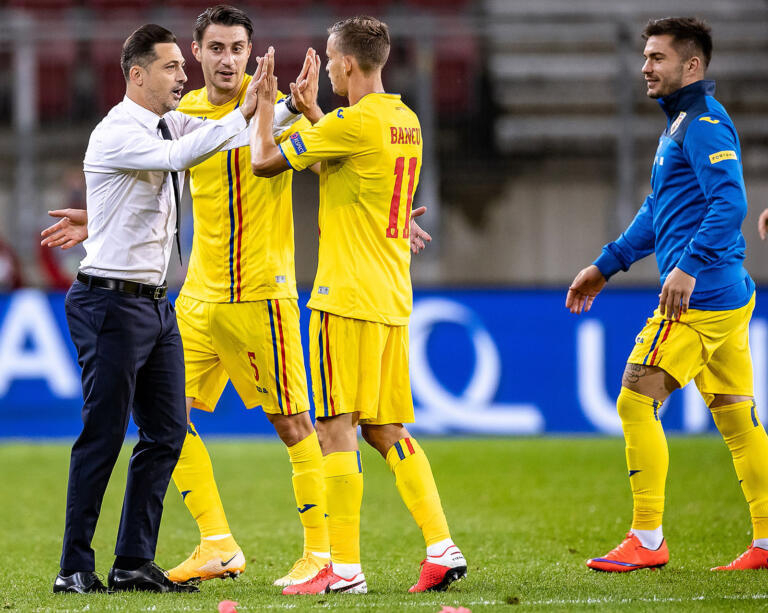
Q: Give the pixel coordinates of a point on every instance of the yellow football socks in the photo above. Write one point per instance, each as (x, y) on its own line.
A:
(414, 480)
(309, 489)
(344, 494)
(746, 438)
(647, 456)
(193, 476)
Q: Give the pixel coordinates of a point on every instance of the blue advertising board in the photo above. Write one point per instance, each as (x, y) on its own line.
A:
(496, 362)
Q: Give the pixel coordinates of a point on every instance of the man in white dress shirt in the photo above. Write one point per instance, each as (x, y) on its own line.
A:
(120, 320)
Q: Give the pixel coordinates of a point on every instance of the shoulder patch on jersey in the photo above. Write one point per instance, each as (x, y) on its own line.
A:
(340, 113)
(709, 120)
(298, 144)
(714, 158)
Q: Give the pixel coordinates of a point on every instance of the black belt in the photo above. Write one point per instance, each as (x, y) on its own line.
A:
(155, 292)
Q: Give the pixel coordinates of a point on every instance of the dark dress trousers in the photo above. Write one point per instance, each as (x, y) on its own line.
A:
(130, 351)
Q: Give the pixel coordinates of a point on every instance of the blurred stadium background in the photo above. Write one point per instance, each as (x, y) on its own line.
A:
(538, 145)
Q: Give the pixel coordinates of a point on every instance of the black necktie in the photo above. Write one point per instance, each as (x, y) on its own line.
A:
(175, 180)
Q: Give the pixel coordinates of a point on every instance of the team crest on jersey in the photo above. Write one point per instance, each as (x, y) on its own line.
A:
(676, 124)
(298, 144)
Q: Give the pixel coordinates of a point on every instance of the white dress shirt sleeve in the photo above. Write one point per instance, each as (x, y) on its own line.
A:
(196, 141)
(283, 121)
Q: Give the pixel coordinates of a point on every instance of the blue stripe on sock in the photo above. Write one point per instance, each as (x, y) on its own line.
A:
(399, 450)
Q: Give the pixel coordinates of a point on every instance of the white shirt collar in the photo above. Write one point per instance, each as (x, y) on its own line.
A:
(145, 117)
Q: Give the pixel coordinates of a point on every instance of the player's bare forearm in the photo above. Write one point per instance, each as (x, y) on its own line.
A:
(266, 158)
(314, 114)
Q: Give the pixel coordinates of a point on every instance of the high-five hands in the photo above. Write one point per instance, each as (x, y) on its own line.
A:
(265, 79)
(251, 100)
(304, 89)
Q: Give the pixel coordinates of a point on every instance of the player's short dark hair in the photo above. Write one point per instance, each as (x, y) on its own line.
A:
(691, 36)
(223, 15)
(139, 47)
(365, 38)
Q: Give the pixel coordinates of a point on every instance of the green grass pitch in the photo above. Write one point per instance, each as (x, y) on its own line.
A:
(526, 513)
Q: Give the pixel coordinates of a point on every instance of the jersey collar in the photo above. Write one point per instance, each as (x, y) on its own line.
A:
(372, 94)
(686, 96)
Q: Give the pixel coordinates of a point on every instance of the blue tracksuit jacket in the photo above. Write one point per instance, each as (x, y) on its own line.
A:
(692, 217)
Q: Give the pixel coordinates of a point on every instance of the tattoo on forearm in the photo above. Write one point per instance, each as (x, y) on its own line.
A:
(632, 373)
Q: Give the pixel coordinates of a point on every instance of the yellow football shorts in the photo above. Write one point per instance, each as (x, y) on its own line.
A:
(710, 347)
(255, 344)
(360, 366)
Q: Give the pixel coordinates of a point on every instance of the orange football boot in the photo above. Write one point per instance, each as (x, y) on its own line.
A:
(631, 555)
(752, 559)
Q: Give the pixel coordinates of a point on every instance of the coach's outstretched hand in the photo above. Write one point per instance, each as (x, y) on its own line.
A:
(585, 287)
(419, 238)
(70, 230)
(248, 107)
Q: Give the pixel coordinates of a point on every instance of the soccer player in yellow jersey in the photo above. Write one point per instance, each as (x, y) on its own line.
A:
(370, 155)
(237, 312)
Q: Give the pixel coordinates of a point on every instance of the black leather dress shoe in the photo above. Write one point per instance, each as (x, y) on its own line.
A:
(83, 582)
(148, 577)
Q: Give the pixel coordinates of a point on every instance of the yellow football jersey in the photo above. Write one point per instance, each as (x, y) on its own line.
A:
(243, 247)
(371, 158)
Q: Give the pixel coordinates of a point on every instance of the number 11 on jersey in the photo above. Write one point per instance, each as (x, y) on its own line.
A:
(394, 207)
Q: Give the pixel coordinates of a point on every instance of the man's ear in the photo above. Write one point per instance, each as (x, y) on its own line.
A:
(694, 64)
(196, 50)
(136, 74)
(349, 62)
